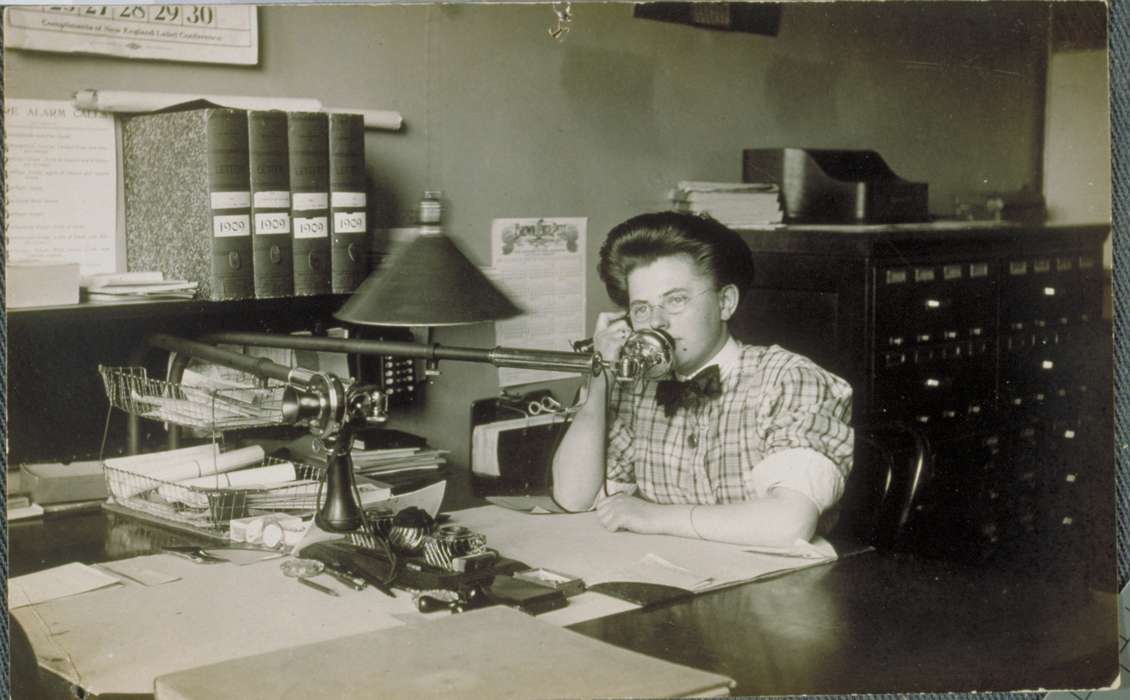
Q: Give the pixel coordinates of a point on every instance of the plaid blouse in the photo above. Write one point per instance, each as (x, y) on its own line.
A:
(772, 400)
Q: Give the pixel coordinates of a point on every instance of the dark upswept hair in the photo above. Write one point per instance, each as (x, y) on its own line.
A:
(717, 251)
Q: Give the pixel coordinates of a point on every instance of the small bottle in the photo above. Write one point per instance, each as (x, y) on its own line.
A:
(430, 213)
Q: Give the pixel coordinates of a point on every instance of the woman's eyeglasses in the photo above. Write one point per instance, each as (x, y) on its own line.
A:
(672, 303)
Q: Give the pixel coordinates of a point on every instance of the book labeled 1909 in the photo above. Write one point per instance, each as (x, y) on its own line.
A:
(308, 139)
(348, 212)
(187, 198)
(271, 240)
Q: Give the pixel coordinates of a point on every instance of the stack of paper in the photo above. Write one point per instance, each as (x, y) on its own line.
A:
(135, 285)
(391, 461)
(731, 203)
(307, 496)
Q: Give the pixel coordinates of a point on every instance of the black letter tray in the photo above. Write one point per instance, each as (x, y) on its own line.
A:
(836, 186)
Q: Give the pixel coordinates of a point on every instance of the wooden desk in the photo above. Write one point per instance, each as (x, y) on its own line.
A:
(872, 623)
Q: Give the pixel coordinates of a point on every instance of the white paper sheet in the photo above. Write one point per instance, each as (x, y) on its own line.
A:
(119, 640)
(578, 545)
(58, 582)
(62, 180)
(540, 264)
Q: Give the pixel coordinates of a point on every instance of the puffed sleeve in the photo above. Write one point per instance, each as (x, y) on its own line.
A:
(802, 420)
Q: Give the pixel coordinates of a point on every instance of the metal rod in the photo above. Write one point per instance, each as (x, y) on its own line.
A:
(583, 363)
(357, 346)
(259, 366)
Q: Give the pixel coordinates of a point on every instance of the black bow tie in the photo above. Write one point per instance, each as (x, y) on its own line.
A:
(693, 393)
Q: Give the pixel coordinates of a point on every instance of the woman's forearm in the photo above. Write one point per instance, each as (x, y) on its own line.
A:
(776, 520)
(578, 464)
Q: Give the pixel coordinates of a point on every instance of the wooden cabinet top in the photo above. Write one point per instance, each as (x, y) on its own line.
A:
(923, 239)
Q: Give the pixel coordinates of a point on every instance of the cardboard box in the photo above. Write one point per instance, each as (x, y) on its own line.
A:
(52, 482)
(33, 283)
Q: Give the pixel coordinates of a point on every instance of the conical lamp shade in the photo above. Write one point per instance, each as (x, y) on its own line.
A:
(427, 282)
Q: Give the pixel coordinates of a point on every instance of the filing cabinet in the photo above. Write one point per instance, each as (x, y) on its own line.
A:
(988, 339)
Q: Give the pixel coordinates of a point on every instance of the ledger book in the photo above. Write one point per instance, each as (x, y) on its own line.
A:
(187, 198)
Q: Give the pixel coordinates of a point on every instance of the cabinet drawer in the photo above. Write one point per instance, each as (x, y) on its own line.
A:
(1042, 370)
(938, 383)
(1050, 290)
(930, 303)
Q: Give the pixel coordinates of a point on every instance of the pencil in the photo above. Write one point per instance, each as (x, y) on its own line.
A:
(317, 586)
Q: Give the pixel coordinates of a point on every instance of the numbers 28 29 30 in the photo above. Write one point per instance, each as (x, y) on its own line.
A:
(198, 15)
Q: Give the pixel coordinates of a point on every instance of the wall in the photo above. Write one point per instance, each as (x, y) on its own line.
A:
(510, 123)
(1077, 183)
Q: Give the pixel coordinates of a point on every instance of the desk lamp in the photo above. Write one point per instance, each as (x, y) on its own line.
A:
(427, 282)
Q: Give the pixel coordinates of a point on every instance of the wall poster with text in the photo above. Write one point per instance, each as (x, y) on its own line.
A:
(194, 33)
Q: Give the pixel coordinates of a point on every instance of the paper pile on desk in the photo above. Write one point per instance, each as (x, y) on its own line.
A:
(578, 545)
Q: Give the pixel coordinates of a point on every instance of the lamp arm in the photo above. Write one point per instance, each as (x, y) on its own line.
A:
(575, 362)
(259, 366)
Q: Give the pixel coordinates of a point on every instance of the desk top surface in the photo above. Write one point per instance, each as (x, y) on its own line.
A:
(870, 623)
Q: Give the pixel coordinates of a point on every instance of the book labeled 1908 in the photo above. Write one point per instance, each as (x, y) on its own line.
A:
(308, 138)
(187, 198)
(271, 240)
(348, 212)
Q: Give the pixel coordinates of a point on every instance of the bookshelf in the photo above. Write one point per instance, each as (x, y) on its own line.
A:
(57, 406)
(87, 312)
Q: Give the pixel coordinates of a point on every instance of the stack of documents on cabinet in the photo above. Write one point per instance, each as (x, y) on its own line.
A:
(135, 285)
(731, 203)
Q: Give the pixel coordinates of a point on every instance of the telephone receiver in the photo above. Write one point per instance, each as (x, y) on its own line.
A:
(647, 354)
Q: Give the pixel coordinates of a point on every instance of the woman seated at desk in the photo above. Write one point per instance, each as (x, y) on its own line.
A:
(751, 445)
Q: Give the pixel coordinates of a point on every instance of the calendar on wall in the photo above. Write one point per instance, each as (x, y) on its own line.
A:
(195, 33)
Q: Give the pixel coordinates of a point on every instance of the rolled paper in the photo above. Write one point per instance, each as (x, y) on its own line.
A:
(192, 468)
(254, 533)
(123, 483)
(140, 101)
(375, 118)
(259, 476)
(272, 535)
(253, 529)
(141, 464)
(292, 537)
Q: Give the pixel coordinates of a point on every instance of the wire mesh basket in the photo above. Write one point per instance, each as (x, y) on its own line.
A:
(211, 502)
(133, 391)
